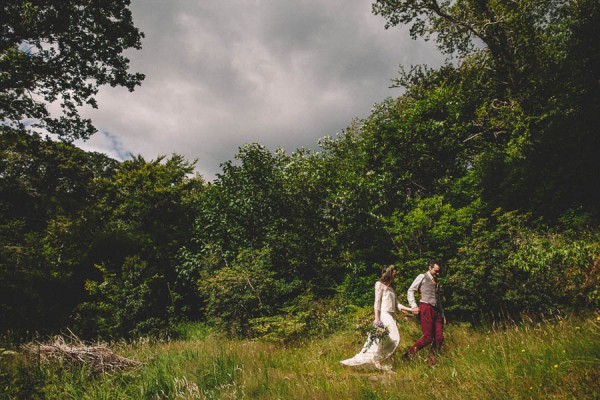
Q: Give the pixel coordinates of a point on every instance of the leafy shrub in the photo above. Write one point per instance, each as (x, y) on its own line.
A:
(279, 328)
(357, 286)
(126, 303)
(509, 266)
(305, 317)
(191, 330)
(239, 292)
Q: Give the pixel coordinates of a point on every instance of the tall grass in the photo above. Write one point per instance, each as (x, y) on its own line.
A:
(553, 358)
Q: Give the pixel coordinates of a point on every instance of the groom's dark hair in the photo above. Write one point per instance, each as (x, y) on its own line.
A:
(432, 263)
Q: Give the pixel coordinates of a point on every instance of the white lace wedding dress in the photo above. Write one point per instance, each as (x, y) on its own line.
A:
(376, 353)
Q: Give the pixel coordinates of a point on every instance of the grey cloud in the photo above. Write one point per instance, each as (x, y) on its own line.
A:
(220, 73)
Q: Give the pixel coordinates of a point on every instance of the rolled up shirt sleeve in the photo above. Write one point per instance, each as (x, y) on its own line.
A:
(410, 294)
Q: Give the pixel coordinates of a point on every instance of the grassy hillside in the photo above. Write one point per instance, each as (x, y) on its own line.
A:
(558, 357)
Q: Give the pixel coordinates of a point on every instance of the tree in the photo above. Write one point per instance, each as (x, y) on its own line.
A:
(145, 215)
(242, 203)
(62, 50)
(511, 31)
(541, 111)
(46, 198)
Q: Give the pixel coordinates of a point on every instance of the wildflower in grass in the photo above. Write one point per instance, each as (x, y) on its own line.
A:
(598, 318)
(555, 366)
(522, 350)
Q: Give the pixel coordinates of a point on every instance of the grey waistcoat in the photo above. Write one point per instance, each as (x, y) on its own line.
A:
(430, 292)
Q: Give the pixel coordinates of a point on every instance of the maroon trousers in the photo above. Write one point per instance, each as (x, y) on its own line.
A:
(432, 325)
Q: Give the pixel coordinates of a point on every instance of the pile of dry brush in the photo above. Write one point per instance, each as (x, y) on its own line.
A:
(71, 351)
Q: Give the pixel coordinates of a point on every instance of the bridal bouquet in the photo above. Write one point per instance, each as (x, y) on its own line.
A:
(376, 333)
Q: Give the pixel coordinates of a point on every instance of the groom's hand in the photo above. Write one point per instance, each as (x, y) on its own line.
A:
(415, 310)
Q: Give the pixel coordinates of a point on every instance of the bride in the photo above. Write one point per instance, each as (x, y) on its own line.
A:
(375, 352)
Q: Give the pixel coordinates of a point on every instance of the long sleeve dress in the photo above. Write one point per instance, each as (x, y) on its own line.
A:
(374, 353)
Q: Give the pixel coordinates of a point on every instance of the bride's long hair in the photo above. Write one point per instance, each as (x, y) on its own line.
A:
(387, 276)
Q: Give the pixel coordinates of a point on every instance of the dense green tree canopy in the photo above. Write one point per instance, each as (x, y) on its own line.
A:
(512, 31)
(487, 164)
(62, 50)
(47, 194)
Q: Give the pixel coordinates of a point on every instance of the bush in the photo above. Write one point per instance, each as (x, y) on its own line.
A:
(305, 318)
(357, 286)
(509, 266)
(237, 293)
(126, 303)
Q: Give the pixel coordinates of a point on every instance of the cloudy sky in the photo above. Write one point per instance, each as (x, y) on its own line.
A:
(221, 73)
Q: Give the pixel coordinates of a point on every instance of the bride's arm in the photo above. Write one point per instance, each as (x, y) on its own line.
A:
(404, 308)
(377, 304)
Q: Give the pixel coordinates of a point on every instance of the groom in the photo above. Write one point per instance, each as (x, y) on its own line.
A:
(430, 309)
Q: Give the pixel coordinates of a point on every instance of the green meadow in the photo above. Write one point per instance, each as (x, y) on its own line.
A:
(553, 358)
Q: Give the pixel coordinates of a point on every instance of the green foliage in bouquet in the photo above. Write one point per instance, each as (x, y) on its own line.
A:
(376, 334)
